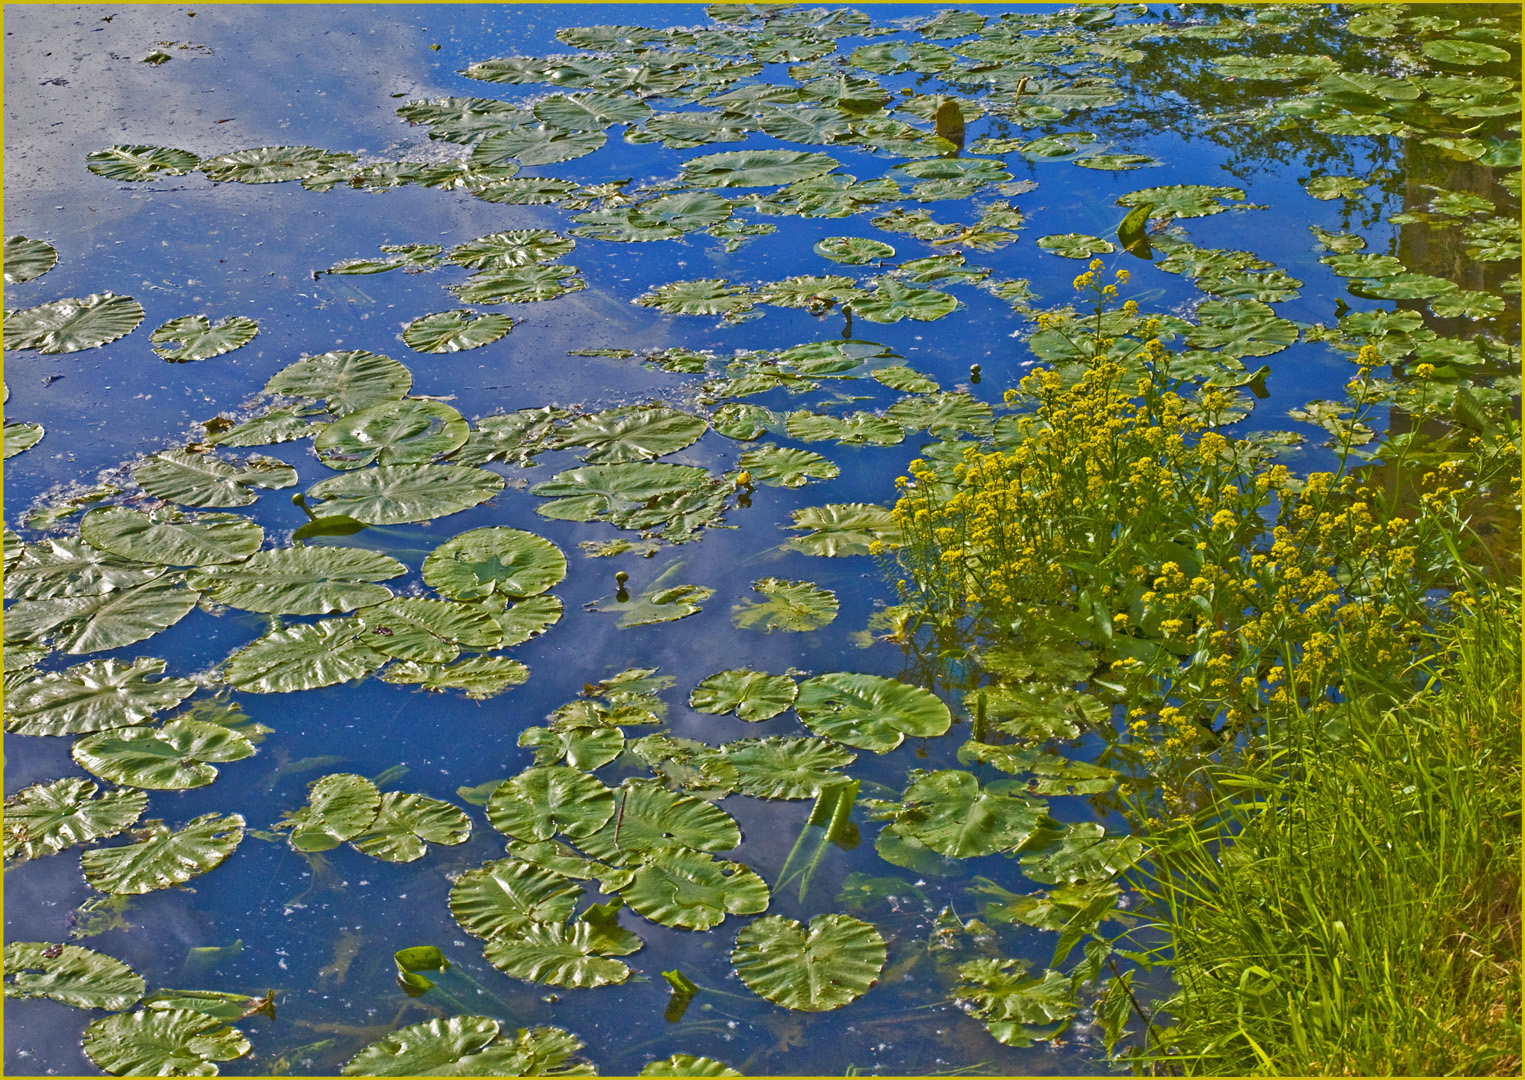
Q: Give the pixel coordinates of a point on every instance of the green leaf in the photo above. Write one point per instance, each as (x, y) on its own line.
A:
(791, 605)
(952, 814)
(656, 606)
(455, 331)
(631, 433)
(1076, 245)
(786, 466)
(786, 768)
(135, 163)
(593, 492)
(842, 529)
(1048, 774)
(519, 285)
(468, 1046)
(869, 711)
(1241, 328)
(514, 437)
(755, 168)
(857, 429)
(854, 250)
(169, 538)
(199, 339)
(906, 380)
(648, 817)
(752, 695)
(27, 260)
(66, 326)
(94, 696)
(1461, 53)
(405, 825)
(494, 560)
(505, 897)
(685, 211)
(687, 1065)
(943, 415)
(1182, 200)
(582, 748)
(1336, 187)
(539, 145)
(405, 432)
(557, 954)
(21, 436)
(511, 248)
(272, 426)
(302, 657)
(74, 976)
(301, 581)
(1017, 1010)
(1085, 854)
(591, 112)
(1116, 162)
(169, 758)
(1044, 713)
(743, 422)
(272, 164)
(693, 890)
(46, 818)
(163, 858)
(546, 799)
(206, 480)
(339, 807)
(706, 296)
(396, 494)
(162, 1042)
(62, 567)
(86, 624)
(346, 381)
(428, 631)
(1403, 287)
(480, 677)
(891, 301)
(528, 618)
(836, 962)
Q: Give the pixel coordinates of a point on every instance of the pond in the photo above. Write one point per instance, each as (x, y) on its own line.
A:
(449, 451)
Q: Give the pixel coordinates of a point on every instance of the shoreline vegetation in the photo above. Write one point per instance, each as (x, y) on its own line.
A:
(1317, 686)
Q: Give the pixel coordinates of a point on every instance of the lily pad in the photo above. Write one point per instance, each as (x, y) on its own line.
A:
(541, 144)
(199, 339)
(786, 768)
(505, 897)
(66, 326)
(685, 211)
(162, 1042)
(272, 164)
(494, 560)
(93, 696)
(785, 466)
(834, 963)
(791, 605)
(1241, 328)
(838, 529)
(687, 1065)
(558, 955)
(854, 250)
(301, 581)
(648, 818)
(1085, 854)
(581, 748)
(27, 260)
(21, 436)
(428, 631)
(85, 624)
(206, 480)
(348, 380)
(951, 813)
(1017, 1008)
(46, 818)
(1183, 200)
(169, 758)
(74, 976)
(162, 858)
(945, 415)
(339, 807)
(591, 492)
(692, 890)
(891, 301)
(752, 695)
(63, 567)
(479, 677)
(546, 799)
(514, 247)
(520, 284)
(405, 825)
(706, 296)
(591, 112)
(631, 433)
(755, 168)
(136, 163)
(869, 711)
(655, 606)
(406, 432)
(468, 1046)
(455, 331)
(1076, 245)
(272, 426)
(396, 494)
(302, 657)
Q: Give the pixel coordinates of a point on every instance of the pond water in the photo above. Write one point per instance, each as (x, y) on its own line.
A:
(1189, 91)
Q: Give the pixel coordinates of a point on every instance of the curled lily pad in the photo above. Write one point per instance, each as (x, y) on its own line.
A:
(169, 758)
(1017, 1008)
(869, 711)
(494, 560)
(581, 748)
(455, 331)
(468, 1046)
(405, 432)
(832, 964)
(1085, 854)
(272, 426)
(479, 677)
(199, 339)
(655, 606)
(75, 976)
(791, 605)
(207, 480)
(405, 825)
(272, 164)
(692, 890)
(162, 1042)
(755, 168)
(546, 799)
(752, 695)
(46, 818)
(93, 696)
(632, 433)
(27, 260)
(137, 163)
(514, 247)
(170, 538)
(785, 768)
(348, 380)
(66, 326)
(162, 857)
(396, 494)
(302, 657)
(302, 581)
(842, 528)
(339, 806)
(85, 624)
(786, 466)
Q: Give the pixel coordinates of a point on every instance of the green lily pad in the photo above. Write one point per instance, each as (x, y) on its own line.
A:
(1048, 774)
(1085, 853)
(592, 492)
(581, 748)
(74, 976)
(272, 164)
(66, 326)
(869, 711)
(558, 955)
(631, 433)
(206, 480)
(273, 426)
(455, 331)
(1408, 286)
(538, 145)
(742, 421)
(1076, 245)
(27, 260)
(834, 963)
(170, 538)
(1461, 53)
(857, 429)
(21, 436)
(685, 211)
(479, 677)
(162, 858)
(706, 296)
(339, 806)
(1116, 162)
(468, 1046)
(785, 768)
(755, 168)
(137, 163)
(302, 657)
(1039, 713)
(514, 247)
(591, 112)
(397, 494)
(94, 696)
(405, 825)
(519, 284)
(199, 339)
(46, 818)
(655, 606)
(546, 799)
(786, 466)
(346, 381)
(1336, 187)
(854, 250)
(428, 631)
(692, 890)
(162, 1042)
(752, 695)
(86, 624)
(63, 567)
(1183, 200)
(405, 432)
(791, 605)
(1017, 1009)
(494, 560)
(838, 529)
(648, 818)
(944, 415)
(891, 301)
(951, 813)
(503, 898)
(301, 581)
(907, 381)
(687, 1065)
(169, 758)
(1241, 328)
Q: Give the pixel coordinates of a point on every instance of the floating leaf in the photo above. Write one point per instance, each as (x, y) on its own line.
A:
(46, 818)
(906, 380)
(785, 768)
(842, 528)
(546, 799)
(951, 813)
(687, 1065)
(206, 480)
(339, 806)
(1048, 774)
(538, 145)
(136, 163)
(791, 605)
(272, 164)
(706, 296)
(656, 606)
(785, 466)
(405, 825)
(273, 426)
(428, 631)
(683, 210)
(164, 858)
(1116, 162)
(581, 748)
(854, 250)
(519, 285)
(85, 624)
(405, 432)
(1086, 854)
(944, 415)
(66, 326)
(693, 890)
(302, 657)
(1182, 200)
(162, 1042)
(591, 112)
(468, 1046)
(515, 247)
(494, 560)
(170, 538)
(27, 260)
(1018, 1010)
(396, 494)
(505, 897)
(1076, 245)
(455, 331)
(528, 618)
(591, 492)
(648, 817)
(752, 695)
(301, 581)
(1241, 328)
(199, 339)
(74, 976)
(557, 954)
(93, 696)
(63, 567)
(1403, 287)
(835, 963)
(480, 677)
(869, 711)
(632, 433)
(169, 758)
(1460, 53)
(891, 301)
(755, 168)
(743, 422)
(348, 380)
(19, 437)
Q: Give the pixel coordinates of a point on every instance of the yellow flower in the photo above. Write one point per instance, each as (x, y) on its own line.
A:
(1425, 371)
